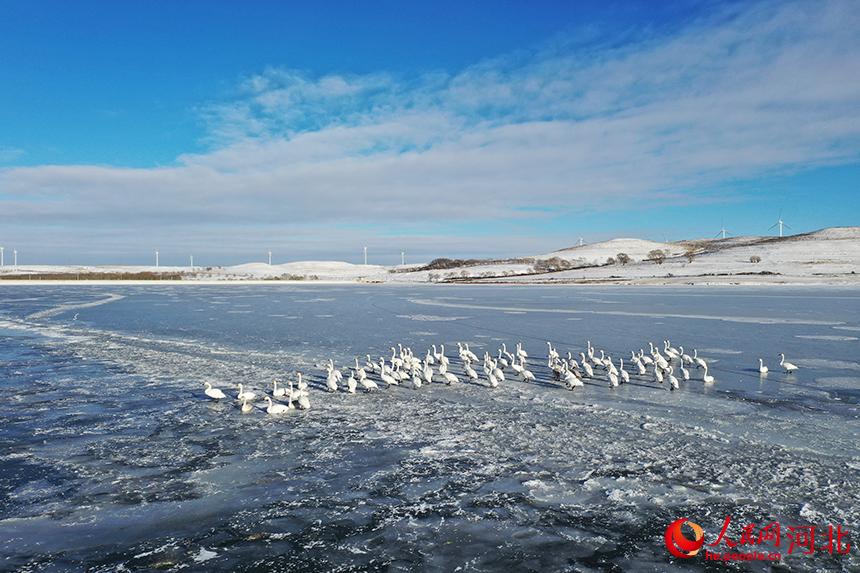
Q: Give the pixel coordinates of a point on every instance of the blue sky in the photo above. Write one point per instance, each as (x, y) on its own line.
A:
(443, 128)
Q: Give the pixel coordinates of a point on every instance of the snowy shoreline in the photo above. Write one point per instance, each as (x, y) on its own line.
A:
(828, 257)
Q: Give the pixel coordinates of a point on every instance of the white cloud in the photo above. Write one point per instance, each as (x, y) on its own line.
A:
(771, 89)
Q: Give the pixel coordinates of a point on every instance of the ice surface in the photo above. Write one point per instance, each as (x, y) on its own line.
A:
(111, 458)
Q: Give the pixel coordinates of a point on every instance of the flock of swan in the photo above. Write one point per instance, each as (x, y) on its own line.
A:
(660, 365)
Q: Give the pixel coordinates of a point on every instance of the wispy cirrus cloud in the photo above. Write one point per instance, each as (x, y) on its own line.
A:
(757, 90)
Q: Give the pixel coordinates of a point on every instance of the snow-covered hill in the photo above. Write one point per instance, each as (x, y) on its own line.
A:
(828, 256)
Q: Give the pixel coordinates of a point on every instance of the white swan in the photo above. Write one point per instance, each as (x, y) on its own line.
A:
(589, 371)
(214, 393)
(359, 371)
(498, 372)
(625, 376)
(613, 379)
(685, 374)
(246, 406)
(304, 401)
(331, 380)
(526, 374)
(351, 383)
(707, 378)
(450, 377)
(470, 372)
(243, 395)
(368, 385)
(571, 380)
(787, 366)
(302, 385)
(762, 369)
(386, 377)
(276, 408)
(673, 382)
(278, 392)
(502, 360)
(700, 362)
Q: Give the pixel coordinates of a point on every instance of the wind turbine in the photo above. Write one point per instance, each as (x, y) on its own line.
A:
(780, 223)
(402, 257)
(192, 261)
(365, 255)
(722, 233)
(2, 264)
(15, 258)
(270, 258)
(580, 242)
(156, 259)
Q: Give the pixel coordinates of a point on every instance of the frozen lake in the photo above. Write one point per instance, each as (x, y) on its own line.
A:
(112, 459)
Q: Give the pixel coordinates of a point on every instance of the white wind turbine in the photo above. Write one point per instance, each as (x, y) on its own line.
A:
(2, 262)
(270, 258)
(365, 255)
(780, 223)
(723, 232)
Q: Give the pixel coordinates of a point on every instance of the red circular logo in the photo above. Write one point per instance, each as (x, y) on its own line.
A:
(680, 546)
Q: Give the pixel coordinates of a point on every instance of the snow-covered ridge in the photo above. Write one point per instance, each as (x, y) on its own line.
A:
(827, 256)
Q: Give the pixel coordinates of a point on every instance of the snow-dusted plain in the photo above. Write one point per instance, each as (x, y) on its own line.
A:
(112, 459)
(829, 256)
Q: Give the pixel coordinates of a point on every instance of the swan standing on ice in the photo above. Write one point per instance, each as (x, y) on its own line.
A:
(762, 369)
(685, 374)
(278, 392)
(246, 406)
(673, 382)
(214, 393)
(243, 395)
(700, 362)
(707, 378)
(360, 372)
(571, 380)
(368, 385)
(351, 384)
(470, 372)
(304, 401)
(526, 374)
(589, 371)
(331, 379)
(787, 366)
(450, 377)
(385, 376)
(497, 372)
(502, 360)
(302, 385)
(625, 376)
(613, 379)
(276, 408)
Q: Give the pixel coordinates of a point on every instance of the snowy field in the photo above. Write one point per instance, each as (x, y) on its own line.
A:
(112, 459)
(826, 257)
